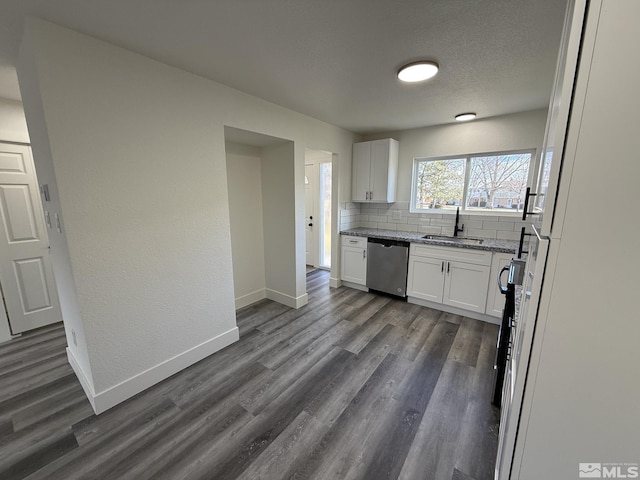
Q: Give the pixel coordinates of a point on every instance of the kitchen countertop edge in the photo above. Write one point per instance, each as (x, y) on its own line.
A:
(491, 245)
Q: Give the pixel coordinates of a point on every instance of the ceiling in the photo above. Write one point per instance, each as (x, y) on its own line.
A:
(335, 60)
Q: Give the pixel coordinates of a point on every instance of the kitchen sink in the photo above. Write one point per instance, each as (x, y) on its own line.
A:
(469, 241)
(465, 241)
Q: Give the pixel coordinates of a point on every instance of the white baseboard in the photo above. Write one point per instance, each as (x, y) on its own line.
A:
(250, 298)
(87, 386)
(357, 286)
(302, 300)
(103, 401)
(334, 282)
(288, 300)
(5, 338)
(5, 331)
(456, 311)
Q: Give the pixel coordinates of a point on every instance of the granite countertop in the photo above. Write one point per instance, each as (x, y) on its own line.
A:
(505, 246)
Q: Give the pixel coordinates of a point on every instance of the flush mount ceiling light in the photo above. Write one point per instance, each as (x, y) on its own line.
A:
(465, 117)
(417, 71)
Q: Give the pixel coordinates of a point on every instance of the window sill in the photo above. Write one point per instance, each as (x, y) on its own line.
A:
(498, 212)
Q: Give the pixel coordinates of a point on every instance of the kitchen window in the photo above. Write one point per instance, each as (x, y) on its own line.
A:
(480, 183)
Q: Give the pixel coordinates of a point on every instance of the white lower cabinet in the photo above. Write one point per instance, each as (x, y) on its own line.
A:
(353, 263)
(465, 286)
(425, 279)
(454, 276)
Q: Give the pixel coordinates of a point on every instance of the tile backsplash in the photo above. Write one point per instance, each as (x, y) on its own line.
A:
(396, 216)
(349, 215)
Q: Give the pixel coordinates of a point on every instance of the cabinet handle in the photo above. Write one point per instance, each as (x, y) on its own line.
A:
(521, 243)
(364, 254)
(525, 208)
(448, 266)
(442, 267)
(502, 289)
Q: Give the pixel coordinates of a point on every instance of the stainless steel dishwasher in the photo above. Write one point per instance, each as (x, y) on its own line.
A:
(387, 262)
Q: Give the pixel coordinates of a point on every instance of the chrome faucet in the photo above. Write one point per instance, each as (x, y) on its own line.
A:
(456, 228)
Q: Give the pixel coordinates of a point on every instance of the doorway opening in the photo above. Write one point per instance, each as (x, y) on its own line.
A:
(261, 189)
(26, 272)
(318, 207)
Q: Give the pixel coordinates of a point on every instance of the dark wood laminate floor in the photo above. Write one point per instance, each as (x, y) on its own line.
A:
(352, 386)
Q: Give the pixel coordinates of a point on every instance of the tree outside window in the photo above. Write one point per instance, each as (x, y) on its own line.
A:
(498, 181)
(485, 182)
(440, 183)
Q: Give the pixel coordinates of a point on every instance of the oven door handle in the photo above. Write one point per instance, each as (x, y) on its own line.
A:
(503, 290)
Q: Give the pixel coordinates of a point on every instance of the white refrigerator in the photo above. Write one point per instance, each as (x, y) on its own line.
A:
(571, 400)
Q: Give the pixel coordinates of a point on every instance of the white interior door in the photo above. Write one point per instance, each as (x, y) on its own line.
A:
(310, 192)
(25, 268)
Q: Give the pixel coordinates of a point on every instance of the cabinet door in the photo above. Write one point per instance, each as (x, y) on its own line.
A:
(354, 265)
(361, 172)
(495, 299)
(379, 170)
(466, 285)
(425, 278)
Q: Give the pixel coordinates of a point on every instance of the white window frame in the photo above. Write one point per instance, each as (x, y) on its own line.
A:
(531, 180)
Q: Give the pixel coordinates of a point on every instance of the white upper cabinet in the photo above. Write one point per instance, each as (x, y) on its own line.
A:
(375, 171)
(361, 172)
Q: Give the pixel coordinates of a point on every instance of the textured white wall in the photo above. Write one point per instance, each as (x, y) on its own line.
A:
(508, 132)
(138, 152)
(13, 125)
(60, 258)
(278, 210)
(144, 205)
(244, 178)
